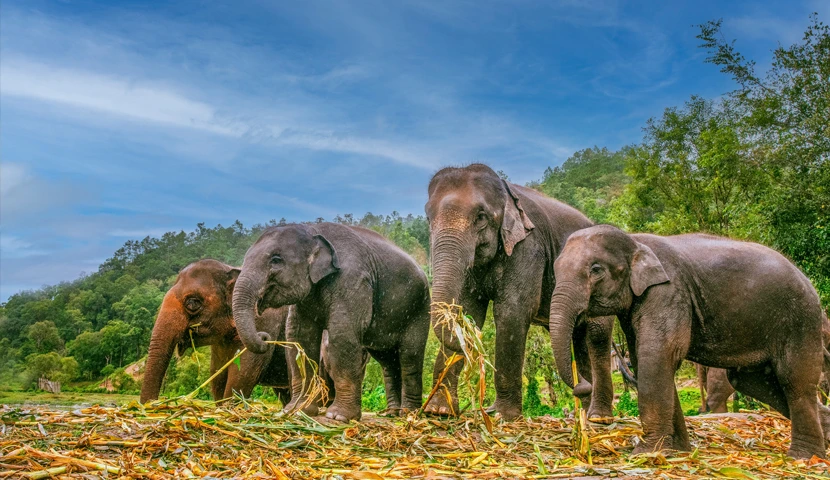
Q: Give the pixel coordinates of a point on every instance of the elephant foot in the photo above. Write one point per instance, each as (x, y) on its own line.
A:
(824, 418)
(390, 412)
(439, 405)
(806, 451)
(343, 413)
(600, 414)
(508, 410)
(664, 444)
(491, 410)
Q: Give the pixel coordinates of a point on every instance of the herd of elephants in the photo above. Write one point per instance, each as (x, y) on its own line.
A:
(344, 293)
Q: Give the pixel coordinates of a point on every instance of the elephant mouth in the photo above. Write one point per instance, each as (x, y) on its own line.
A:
(191, 339)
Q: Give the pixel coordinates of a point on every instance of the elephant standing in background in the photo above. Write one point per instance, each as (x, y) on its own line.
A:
(715, 301)
(495, 241)
(715, 389)
(368, 293)
(196, 311)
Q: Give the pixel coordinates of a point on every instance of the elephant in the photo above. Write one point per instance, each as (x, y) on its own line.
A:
(715, 389)
(368, 293)
(196, 311)
(496, 241)
(715, 301)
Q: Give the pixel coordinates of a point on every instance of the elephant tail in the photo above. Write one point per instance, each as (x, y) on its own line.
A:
(627, 374)
(826, 360)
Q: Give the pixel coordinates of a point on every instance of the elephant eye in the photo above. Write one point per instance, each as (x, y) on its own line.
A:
(596, 269)
(193, 304)
(275, 259)
(481, 218)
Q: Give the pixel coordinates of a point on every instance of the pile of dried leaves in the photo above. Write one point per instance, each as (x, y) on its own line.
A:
(252, 440)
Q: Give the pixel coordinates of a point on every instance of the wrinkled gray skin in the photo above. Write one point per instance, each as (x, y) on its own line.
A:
(197, 311)
(715, 389)
(493, 240)
(718, 302)
(370, 295)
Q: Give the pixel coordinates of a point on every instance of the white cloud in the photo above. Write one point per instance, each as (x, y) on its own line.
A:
(109, 94)
(11, 176)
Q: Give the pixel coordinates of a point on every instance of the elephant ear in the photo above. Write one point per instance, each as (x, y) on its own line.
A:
(230, 282)
(515, 225)
(646, 270)
(323, 260)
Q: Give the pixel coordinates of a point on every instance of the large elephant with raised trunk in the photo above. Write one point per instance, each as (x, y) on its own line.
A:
(496, 241)
(715, 301)
(368, 293)
(196, 311)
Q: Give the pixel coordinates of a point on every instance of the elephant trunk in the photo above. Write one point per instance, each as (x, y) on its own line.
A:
(452, 257)
(567, 303)
(170, 325)
(245, 297)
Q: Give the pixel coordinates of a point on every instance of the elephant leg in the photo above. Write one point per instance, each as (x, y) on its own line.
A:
(719, 390)
(411, 353)
(307, 331)
(512, 324)
(764, 385)
(799, 374)
(220, 354)
(659, 353)
(445, 400)
(599, 338)
(346, 354)
(390, 363)
(243, 378)
(701, 383)
(583, 388)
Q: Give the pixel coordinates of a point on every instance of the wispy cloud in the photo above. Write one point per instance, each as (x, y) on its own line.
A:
(108, 94)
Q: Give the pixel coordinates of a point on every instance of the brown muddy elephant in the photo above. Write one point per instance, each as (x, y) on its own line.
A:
(715, 389)
(715, 301)
(196, 311)
(496, 241)
(368, 293)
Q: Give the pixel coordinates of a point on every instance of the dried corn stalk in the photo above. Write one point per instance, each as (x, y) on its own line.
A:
(451, 316)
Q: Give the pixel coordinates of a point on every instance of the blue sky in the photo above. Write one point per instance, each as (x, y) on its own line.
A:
(125, 119)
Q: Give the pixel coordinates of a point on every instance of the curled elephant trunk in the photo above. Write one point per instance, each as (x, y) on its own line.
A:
(567, 303)
(170, 325)
(245, 296)
(451, 259)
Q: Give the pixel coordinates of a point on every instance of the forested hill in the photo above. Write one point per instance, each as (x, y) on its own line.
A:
(753, 164)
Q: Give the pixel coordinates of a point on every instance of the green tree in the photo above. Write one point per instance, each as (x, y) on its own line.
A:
(692, 173)
(45, 337)
(589, 181)
(786, 113)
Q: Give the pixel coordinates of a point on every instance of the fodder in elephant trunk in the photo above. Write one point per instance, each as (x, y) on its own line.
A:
(316, 387)
(451, 317)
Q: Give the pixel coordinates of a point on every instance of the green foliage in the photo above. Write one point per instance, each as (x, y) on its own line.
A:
(51, 366)
(374, 400)
(589, 180)
(689, 401)
(186, 373)
(627, 406)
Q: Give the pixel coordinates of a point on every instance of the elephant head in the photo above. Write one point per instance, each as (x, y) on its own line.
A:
(599, 272)
(280, 268)
(473, 215)
(195, 311)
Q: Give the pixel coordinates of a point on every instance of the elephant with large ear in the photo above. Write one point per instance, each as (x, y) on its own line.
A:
(369, 294)
(715, 389)
(196, 312)
(715, 301)
(496, 241)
